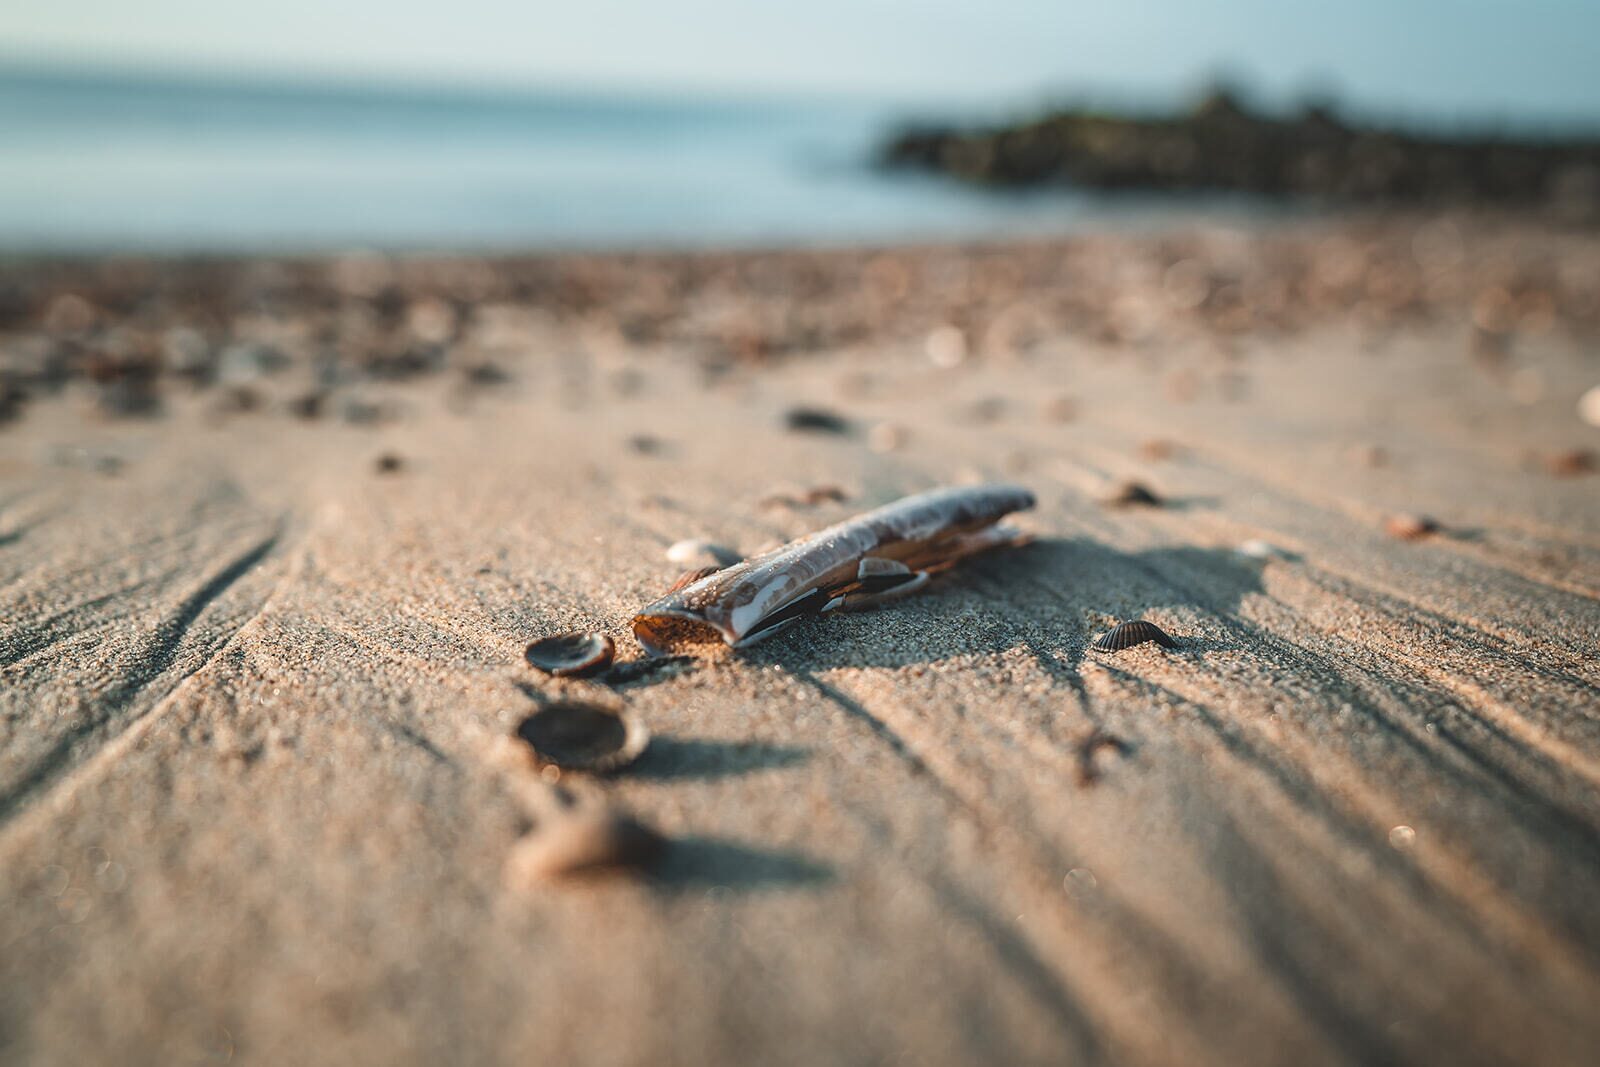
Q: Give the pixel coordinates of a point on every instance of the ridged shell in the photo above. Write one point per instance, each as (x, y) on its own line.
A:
(1127, 634)
(572, 655)
(577, 735)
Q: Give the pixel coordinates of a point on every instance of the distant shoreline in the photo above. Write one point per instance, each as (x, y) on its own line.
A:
(1223, 146)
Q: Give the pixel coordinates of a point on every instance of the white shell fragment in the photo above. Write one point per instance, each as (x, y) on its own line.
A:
(1255, 548)
(697, 553)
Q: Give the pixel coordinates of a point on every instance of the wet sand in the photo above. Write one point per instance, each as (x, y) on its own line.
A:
(257, 797)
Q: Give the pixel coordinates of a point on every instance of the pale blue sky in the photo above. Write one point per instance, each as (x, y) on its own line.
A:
(1507, 58)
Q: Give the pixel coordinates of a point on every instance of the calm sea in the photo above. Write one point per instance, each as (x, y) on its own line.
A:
(96, 162)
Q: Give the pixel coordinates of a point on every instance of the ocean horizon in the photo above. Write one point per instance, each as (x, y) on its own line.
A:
(101, 161)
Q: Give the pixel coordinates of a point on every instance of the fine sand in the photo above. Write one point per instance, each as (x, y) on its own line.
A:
(258, 799)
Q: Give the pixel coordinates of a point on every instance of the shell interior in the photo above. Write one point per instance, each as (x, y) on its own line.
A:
(572, 654)
(582, 736)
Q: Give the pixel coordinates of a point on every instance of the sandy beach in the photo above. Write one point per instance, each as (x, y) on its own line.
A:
(274, 535)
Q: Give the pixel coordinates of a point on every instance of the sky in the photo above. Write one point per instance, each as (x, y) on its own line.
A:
(1441, 58)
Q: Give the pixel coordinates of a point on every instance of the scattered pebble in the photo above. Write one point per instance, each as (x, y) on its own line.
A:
(1128, 634)
(695, 552)
(815, 420)
(1156, 449)
(579, 735)
(571, 655)
(484, 374)
(1401, 838)
(1570, 463)
(388, 463)
(308, 405)
(1129, 494)
(646, 445)
(1410, 527)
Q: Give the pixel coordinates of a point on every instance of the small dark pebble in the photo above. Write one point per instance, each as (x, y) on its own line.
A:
(484, 374)
(388, 463)
(646, 445)
(1128, 634)
(1571, 463)
(815, 420)
(1410, 527)
(1132, 495)
(308, 405)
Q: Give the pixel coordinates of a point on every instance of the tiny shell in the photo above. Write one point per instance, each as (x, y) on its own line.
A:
(577, 735)
(572, 655)
(586, 840)
(1589, 406)
(1132, 494)
(1137, 632)
(1255, 548)
(693, 550)
(1410, 527)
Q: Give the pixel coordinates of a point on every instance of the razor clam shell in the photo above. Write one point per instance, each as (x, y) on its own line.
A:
(926, 531)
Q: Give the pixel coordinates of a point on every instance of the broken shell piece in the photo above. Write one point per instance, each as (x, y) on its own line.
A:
(1410, 527)
(879, 581)
(695, 551)
(1128, 634)
(577, 735)
(754, 599)
(572, 655)
(1131, 494)
(588, 839)
(1255, 548)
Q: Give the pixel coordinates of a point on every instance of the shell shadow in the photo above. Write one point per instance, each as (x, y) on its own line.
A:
(1043, 596)
(694, 862)
(688, 759)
